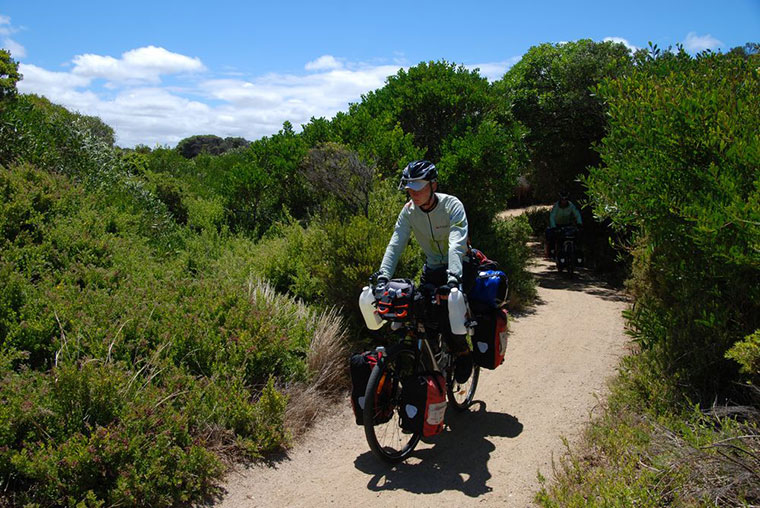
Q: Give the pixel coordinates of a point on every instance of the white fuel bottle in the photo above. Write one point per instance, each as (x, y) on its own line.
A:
(369, 312)
(457, 312)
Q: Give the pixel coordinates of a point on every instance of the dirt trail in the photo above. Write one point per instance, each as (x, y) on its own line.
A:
(560, 353)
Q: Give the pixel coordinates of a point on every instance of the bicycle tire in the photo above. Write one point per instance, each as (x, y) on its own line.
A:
(570, 253)
(460, 395)
(386, 439)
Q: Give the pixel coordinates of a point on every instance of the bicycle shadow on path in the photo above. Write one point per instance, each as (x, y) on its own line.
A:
(458, 459)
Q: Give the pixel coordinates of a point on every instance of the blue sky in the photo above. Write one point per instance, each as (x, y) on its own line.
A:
(164, 70)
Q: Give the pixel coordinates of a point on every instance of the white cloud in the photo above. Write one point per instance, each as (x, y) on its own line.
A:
(51, 84)
(624, 42)
(142, 65)
(143, 110)
(228, 106)
(16, 49)
(6, 29)
(494, 71)
(324, 62)
(269, 100)
(695, 43)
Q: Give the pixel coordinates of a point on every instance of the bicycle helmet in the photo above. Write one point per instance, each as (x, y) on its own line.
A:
(417, 174)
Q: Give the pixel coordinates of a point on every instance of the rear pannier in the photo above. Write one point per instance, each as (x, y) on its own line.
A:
(423, 403)
(489, 344)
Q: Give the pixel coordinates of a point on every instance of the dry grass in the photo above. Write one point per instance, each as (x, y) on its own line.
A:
(629, 458)
(326, 360)
(725, 472)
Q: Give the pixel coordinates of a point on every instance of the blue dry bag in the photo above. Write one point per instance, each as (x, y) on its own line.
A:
(490, 288)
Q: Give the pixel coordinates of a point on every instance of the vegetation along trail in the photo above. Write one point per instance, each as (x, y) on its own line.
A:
(560, 353)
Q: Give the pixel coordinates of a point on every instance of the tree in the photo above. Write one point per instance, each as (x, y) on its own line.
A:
(333, 170)
(96, 127)
(550, 92)
(210, 144)
(680, 169)
(376, 138)
(481, 169)
(433, 101)
(9, 74)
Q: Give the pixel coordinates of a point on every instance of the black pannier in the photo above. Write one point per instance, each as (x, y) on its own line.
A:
(423, 403)
(472, 263)
(489, 344)
(361, 365)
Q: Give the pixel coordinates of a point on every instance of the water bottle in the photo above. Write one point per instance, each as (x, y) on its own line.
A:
(369, 312)
(457, 312)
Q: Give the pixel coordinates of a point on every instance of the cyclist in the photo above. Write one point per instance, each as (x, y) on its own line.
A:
(439, 224)
(564, 213)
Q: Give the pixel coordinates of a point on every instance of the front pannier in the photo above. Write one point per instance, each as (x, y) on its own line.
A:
(361, 365)
(489, 344)
(423, 403)
(395, 299)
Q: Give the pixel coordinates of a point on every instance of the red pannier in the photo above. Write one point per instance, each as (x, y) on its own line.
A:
(489, 344)
(423, 403)
(361, 365)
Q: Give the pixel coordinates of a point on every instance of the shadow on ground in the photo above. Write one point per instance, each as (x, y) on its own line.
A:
(583, 280)
(457, 461)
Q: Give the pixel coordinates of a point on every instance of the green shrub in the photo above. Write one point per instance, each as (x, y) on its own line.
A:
(328, 262)
(681, 171)
(538, 218)
(507, 243)
(127, 368)
(639, 451)
(747, 353)
(480, 168)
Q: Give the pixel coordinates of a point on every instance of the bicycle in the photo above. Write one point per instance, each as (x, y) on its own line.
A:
(565, 256)
(421, 349)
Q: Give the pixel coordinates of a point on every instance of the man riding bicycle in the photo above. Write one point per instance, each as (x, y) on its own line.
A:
(439, 224)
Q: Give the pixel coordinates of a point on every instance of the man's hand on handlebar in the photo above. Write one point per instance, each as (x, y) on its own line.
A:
(442, 292)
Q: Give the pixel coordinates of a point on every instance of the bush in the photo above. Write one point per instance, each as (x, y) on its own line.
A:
(507, 243)
(328, 262)
(538, 219)
(128, 368)
(638, 451)
(746, 353)
(681, 171)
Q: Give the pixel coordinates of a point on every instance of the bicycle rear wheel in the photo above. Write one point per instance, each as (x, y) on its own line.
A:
(382, 420)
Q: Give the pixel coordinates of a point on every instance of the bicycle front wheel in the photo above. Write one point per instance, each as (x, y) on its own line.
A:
(382, 406)
(460, 395)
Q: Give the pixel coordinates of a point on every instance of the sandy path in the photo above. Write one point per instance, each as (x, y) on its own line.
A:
(560, 353)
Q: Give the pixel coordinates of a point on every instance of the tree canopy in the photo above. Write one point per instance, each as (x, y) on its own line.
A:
(550, 91)
(9, 74)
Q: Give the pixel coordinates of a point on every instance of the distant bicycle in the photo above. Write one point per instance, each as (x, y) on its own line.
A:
(566, 255)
